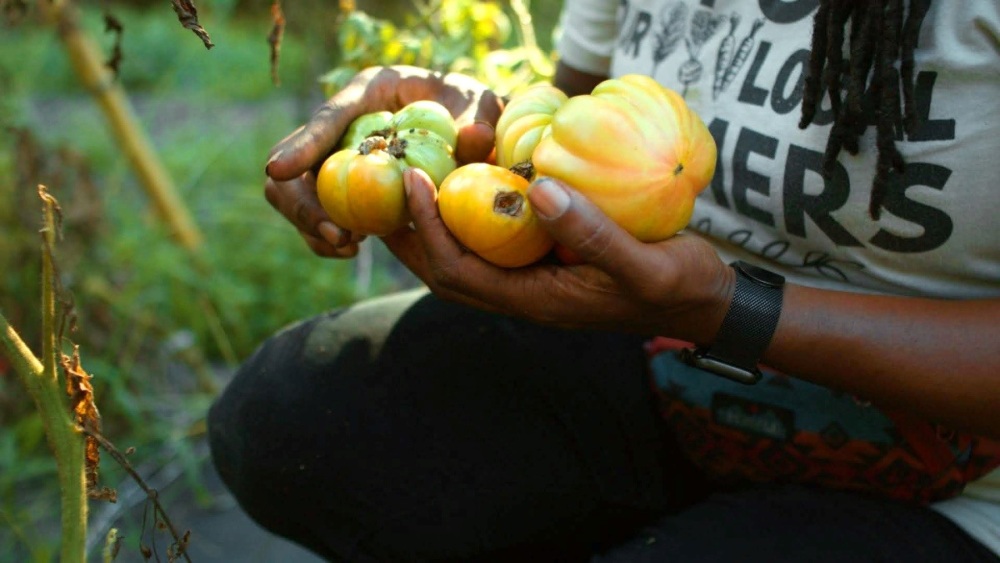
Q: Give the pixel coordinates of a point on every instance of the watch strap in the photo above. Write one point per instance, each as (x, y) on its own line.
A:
(747, 328)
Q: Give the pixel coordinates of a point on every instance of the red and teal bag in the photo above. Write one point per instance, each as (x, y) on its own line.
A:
(786, 430)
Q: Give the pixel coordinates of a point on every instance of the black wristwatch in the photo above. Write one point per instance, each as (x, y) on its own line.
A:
(747, 328)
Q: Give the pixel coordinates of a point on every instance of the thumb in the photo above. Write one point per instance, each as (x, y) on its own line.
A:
(580, 226)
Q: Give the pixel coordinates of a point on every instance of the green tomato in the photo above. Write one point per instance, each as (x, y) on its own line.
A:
(429, 115)
(365, 126)
(425, 150)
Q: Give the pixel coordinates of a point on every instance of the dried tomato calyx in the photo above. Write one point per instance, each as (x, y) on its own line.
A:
(524, 169)
(372, 144)
(397, 147)
(394, 145)
(508, 203)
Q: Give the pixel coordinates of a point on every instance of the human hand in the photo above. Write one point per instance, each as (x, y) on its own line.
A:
(678, 287)
(291, 184)
(296, 200)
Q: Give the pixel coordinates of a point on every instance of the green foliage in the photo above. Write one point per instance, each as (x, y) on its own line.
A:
(473, 37)
(159, 55)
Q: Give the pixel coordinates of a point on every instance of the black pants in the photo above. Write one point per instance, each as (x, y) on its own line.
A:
(409, 429)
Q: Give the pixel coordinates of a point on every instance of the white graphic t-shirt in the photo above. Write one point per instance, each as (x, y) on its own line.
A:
(741, 65)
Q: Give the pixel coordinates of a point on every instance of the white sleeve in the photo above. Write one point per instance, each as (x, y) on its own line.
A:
(589, 32)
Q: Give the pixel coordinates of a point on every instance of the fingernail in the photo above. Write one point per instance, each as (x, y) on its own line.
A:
(484, 122)
(407, 178)
(330, 233)
(273, 158)
(548, 198)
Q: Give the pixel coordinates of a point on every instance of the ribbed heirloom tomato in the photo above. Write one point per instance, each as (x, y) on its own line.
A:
(524, 121)
(634, 148)
(361, 185)
(486, 209)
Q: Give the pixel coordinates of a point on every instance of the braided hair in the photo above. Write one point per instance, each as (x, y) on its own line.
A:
(880, 36)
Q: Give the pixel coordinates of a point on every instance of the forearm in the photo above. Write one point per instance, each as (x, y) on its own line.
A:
(575, 82)
(938, 359)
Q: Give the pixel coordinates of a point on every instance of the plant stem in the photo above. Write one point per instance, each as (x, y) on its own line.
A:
(65, 438)
(26, 364)
(41, 378)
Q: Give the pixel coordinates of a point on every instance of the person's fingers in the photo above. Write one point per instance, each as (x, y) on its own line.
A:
(310, 143)
(475, 109)
(337, 236)
(296, 200)
(449, 265)
(459, 274)
(476, 133)
(321, 247)
(580, 226)
(440, 247)
(406, 245)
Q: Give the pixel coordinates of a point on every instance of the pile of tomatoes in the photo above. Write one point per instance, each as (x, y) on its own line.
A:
(632, 146)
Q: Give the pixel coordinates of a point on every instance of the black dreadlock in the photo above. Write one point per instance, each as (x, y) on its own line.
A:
(879, 36)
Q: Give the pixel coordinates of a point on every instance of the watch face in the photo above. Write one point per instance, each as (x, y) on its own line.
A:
(759, 275)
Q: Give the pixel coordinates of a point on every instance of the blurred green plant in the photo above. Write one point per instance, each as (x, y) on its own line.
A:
(474, 37)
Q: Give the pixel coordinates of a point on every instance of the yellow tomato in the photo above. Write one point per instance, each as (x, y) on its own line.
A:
(486, 208)
(524, 122)
(363, 192)
(636, 150)
(361, 186)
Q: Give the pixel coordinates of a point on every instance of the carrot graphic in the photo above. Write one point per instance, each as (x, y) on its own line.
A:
(742, 54)
(725, 54)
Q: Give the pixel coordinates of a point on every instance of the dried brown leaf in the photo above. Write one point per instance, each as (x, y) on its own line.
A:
(113, 25)
(274, 39)
(81, 394)
(187, 14)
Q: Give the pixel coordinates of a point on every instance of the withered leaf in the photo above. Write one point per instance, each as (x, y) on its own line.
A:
(274, 39)
(81, 394)
(187, 14)
(113, 25)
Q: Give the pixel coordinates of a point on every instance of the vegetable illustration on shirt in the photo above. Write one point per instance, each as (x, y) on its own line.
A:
(673, 24)
(703, 27)
(725, 55)
(741, 56)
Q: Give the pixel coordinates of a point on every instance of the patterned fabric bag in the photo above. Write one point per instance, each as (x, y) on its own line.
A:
(787, 430)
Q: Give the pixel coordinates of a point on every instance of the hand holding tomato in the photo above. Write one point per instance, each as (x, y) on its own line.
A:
(678, 287)
(291, 188)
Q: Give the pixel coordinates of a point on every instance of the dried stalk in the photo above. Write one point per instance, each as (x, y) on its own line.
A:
(87, 61)
(180, 540)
